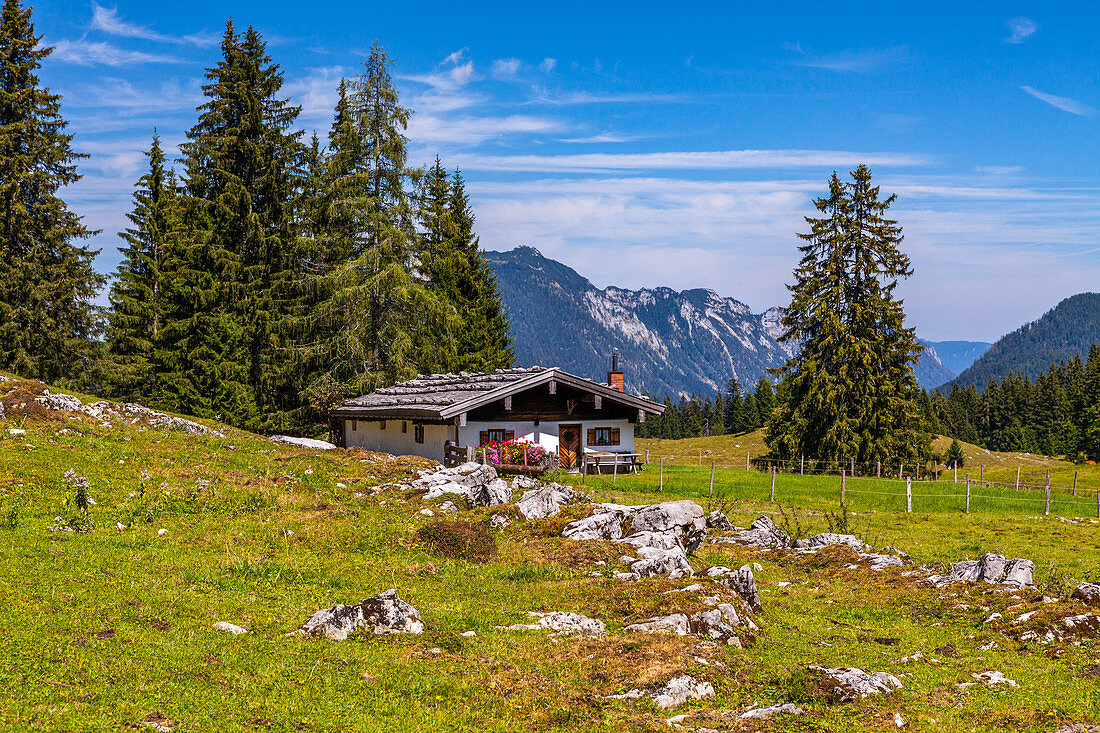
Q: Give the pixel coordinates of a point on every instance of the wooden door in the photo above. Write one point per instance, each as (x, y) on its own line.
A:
(569, 446)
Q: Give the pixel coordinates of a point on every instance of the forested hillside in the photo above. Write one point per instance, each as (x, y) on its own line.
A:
(1065, 331)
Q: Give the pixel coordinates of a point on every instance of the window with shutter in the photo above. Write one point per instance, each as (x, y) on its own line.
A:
(603, 436)
(418, 433)
(509, 435)
(592, 436)
(382, 425)
(483, 437)
(614, 436)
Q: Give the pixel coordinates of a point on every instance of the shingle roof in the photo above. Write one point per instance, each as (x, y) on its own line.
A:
(438, 391)
(446, 395)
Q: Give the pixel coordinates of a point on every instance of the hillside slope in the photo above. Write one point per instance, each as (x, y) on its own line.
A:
(672, 342)
(1064, 331)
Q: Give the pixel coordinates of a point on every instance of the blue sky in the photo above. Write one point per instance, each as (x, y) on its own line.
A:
(645, 147)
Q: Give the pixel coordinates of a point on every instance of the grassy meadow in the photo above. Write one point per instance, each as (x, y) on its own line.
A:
(109, 628)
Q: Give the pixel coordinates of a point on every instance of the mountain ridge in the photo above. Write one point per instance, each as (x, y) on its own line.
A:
(671, 342)
(1066, 330)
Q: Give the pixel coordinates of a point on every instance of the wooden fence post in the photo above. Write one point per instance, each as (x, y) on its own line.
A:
(584, 472)
(967, 493)
(802, 467)
(661, 481)
(842, 487)
(918, 472)
(1017, 478)
(772, 497)
(908, 494)
(647, 457)
(981, 479)
(878, 468)
(900, 467)
(615, 471)
(955, 468)
(746, 460)
(1046, 511)
(1075, 483)
(710, 494)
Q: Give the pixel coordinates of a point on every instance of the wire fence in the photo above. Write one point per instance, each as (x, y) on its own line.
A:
(936, 489)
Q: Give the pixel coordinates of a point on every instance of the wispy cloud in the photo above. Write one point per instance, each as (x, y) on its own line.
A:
(317, 93)
(544, 96)
(107, 20)
(603, 137)
(862, 61)
(101, 53)
(707, 160)
(1063, 103)
(1019, 29)
(548, 65)
(506, 69)
(470, 131)
(1000, 170)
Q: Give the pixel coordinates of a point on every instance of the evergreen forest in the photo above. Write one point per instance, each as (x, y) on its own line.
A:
(266, 275)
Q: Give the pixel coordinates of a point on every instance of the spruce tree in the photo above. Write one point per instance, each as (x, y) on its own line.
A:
(47, 285)
(850, 391)
(371, 326)
(235, 280)
(733, 412)
(138, 298)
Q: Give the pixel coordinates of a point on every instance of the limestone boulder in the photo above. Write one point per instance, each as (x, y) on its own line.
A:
(384, 613)
(682, 515)
(606, 525)
(845, 684)
(544, 501)
(719, 522)
(562, 622)
(1089, 593)
(656, 561)
(676, 624)
(662, 540)
(763, 533)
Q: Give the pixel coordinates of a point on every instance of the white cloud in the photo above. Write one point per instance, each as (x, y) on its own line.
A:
(107, 20)
(92, 53)
(1020, 28)
(544, 96)
(317, 93)
(1063, 103)
(603, 137)
(1000, 170)
(455, 56)
(548, 65)
(506, 69)
(859, 61)
(706, 160)
(469, 131)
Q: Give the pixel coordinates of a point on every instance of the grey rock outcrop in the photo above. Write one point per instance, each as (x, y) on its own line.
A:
(674, 693)
(826, 539)
(740, 581)
(990, 568)
(384, 613)
(606, 525)
(682, 515)
(763, 532)
(1089, 593)
(676, 624)
(845, 684)
(128, 412)
(478, 483)
(719, 522)
(303, 442)
(230, 628)
(655, 561)
(662, 540)
(540, 502)
(761, 713)
(492, 493)
(562, 622)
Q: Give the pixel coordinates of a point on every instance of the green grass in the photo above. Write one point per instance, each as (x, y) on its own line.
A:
(103, 628)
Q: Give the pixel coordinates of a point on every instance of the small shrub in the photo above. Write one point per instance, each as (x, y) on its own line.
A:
(459, 539)
(10, 518)
(838, 522)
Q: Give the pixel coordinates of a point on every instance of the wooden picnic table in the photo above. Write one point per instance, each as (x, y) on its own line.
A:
(614, 459)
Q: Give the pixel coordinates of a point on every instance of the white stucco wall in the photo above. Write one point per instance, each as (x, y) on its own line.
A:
(369, 435)
(546, 433)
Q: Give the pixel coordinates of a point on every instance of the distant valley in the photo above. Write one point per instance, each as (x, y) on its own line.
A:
(672, 342)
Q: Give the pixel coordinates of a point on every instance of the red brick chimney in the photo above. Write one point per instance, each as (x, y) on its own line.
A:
(615, 377)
